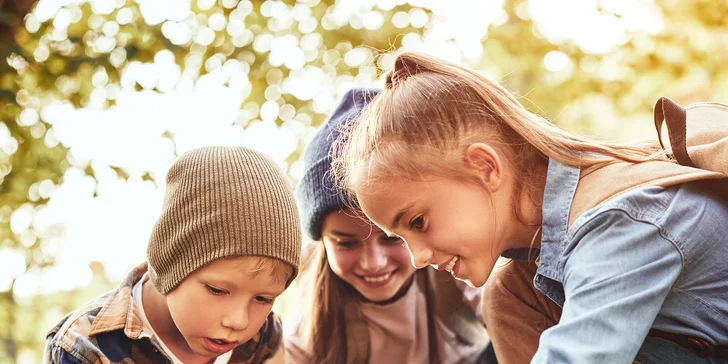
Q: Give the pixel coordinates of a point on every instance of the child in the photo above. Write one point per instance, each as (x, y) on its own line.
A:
(226, 244)
(454, 165)
(364, 301)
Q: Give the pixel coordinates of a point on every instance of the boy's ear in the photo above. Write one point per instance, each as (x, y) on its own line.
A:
(486, 162)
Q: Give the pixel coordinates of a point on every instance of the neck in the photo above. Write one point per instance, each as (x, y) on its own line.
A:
(527, 225)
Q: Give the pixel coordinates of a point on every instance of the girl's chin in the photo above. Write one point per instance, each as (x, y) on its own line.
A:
(474, 282)
(470, 283)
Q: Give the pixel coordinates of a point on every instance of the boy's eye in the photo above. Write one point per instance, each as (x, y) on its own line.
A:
(418, 223)
(262, 299)
(215, 291)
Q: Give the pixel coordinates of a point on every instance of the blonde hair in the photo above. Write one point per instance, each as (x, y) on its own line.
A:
(432, 110)
(276, 268)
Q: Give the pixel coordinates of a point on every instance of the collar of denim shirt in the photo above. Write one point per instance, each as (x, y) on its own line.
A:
(561, 182)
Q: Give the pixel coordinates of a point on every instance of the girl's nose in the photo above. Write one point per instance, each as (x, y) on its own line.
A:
(374, 258)
(421, 256)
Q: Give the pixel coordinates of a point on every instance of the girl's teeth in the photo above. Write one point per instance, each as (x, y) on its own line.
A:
(451, 265)
(381, 278)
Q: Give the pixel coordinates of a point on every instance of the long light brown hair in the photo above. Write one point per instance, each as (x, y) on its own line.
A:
(325, 295)
(431, 110)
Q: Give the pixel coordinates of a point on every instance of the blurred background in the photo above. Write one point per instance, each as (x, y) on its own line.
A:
(98, 97)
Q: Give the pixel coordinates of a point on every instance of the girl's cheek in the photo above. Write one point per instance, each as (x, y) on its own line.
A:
(398, 254)
(343, 259)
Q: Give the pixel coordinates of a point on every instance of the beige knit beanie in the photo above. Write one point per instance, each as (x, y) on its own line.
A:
(222, 202)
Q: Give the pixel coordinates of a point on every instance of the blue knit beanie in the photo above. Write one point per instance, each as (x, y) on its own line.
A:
(316, 193)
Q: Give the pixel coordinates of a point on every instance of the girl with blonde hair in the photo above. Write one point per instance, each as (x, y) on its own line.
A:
(453, 164)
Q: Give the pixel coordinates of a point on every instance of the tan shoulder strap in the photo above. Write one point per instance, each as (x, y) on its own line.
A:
(357, 334)
(698, 137)
(600, 184)
(698, 133)
(676, 118)
(449, 307)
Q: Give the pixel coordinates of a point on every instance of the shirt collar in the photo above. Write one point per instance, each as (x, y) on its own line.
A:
(120, 311)
(561, 182)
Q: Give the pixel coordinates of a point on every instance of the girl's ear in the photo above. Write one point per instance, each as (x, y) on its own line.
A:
(486, 162)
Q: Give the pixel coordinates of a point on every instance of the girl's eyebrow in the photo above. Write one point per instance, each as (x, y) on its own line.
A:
(342, 234)
(400, 214)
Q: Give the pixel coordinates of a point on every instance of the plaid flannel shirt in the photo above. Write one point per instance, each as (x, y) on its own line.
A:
(109, 330)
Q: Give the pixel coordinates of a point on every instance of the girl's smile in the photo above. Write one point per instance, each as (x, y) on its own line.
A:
(378, 280)
(376, 265)
(449, 266)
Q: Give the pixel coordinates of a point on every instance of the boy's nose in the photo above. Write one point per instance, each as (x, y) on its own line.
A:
(237, 318)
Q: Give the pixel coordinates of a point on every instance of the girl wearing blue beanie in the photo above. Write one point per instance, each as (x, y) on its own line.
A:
(363, 300)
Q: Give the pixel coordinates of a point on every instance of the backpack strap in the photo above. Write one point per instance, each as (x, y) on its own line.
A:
(698, 136)
(705, 145)
(357, 334)
(603, 182)
(449, 307)
(676, 118)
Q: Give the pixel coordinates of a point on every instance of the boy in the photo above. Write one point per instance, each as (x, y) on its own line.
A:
(226, 244)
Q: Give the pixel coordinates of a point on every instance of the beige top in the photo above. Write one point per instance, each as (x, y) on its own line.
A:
(397, 332)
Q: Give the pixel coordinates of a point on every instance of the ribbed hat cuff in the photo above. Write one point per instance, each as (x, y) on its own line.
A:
(317, 196)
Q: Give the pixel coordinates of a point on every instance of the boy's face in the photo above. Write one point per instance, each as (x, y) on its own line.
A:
(223, 304)
(362, 255)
